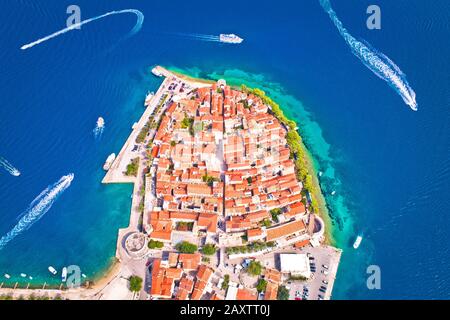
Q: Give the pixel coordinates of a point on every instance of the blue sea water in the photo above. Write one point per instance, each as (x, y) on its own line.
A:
(389, 166)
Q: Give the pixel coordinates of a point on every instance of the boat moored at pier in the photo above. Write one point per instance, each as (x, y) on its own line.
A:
(109, 161)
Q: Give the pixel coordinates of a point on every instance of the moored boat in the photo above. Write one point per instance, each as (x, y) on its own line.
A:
(7, 276)
(357, 242)
(156, 72)
(109, 161)
(148, 97)
(52, 270)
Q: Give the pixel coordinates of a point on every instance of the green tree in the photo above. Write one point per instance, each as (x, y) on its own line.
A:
(132, 168)
(186, 247)
(135, 283)
(283, 293)
(226, 281)
(261, 286)
(266, 223)
(254, 268)
(154, 244)
(209, 249)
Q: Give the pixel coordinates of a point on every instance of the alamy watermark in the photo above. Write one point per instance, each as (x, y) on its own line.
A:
(374, 19)
(374, 279)
(73, 276)
(75, 16)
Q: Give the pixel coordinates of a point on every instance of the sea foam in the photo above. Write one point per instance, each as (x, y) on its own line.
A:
(376, 61)
(136, 28)
(9, 167)
(37, 208)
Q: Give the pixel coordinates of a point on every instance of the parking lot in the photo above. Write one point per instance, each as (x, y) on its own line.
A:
(323, 264)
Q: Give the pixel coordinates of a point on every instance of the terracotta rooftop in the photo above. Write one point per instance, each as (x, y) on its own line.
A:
(285, 230)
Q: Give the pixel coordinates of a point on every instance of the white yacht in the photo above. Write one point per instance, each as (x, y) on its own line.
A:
(23, 275)
(156, 72)
(357, 242)
(148, 97)
(7, 276)
(230, 38)
(100, 122)
(52, 270)
(109, 161)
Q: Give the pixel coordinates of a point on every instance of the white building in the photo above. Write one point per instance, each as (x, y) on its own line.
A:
(295, 264)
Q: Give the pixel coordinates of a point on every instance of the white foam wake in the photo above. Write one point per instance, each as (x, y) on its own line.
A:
(9, 167)
(98, 131)
(199, 37)
(38, 207)
(136, 28)
(376, 61)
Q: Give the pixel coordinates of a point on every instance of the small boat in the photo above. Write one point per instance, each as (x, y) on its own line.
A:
(7, 276)
(357, 242)
(333, 193)
(230, 38)
(30, 277)
(109, 161)
(23, 275)
(83, 275)
(100, 122)
(52, 270)
(148, 97)
(156, 72)
(64, 274)
(320, 173)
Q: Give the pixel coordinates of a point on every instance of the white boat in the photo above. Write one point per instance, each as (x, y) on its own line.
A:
(230, 38)
(83, 275)
(109, 161)
(7, 276)
(30, 277)
(333, 193)
(320, 173)
(156, 72)
(357, 242)
(52, 270)
(148, 97)
(100, 122)
(64, 274)
(23, 275)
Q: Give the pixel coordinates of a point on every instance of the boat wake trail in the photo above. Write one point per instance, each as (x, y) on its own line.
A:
(98, 131)
(199, 37)
(9, 167)
(376, 61)
(37, 208)
(136, 28)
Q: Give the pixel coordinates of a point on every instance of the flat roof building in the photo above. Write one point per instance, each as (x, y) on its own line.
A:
(295, 264)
